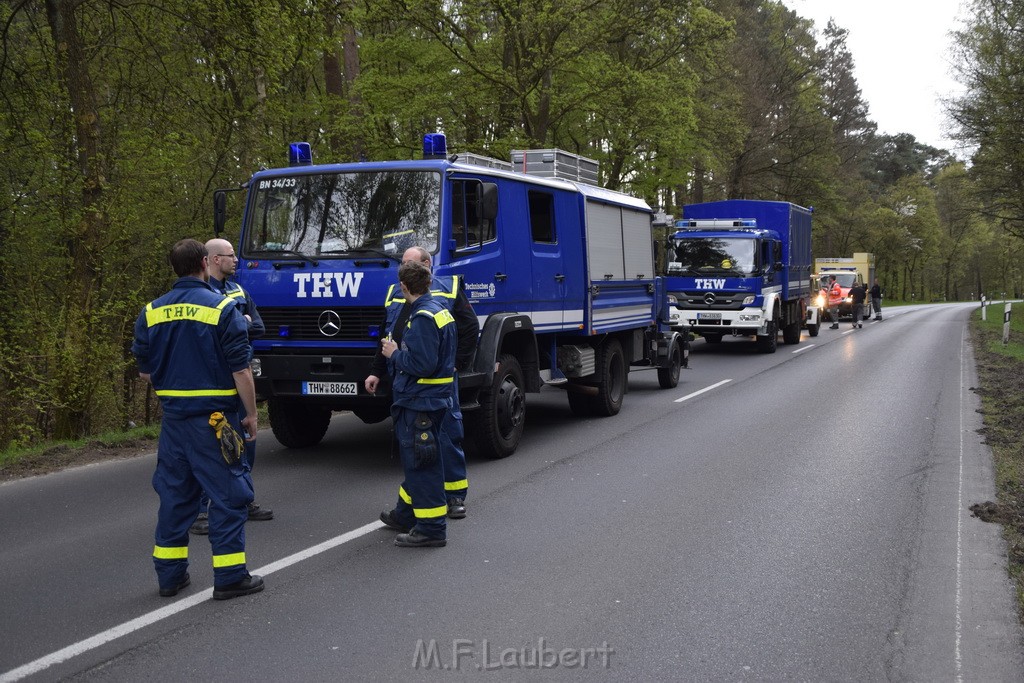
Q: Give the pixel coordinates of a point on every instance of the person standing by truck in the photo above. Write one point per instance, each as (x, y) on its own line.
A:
(447, 291)
(857, 296)
(424, 374)
(191, 345)
(876, 299)
(835, 297)
(222, 265)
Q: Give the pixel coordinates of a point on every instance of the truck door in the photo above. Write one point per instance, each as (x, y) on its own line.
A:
(556, 256)
(474, 248)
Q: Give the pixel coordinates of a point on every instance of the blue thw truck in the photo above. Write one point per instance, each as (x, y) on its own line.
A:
(742, 267)
(560, 274)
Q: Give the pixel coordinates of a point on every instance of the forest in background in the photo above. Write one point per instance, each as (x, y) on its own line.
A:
(118, 119)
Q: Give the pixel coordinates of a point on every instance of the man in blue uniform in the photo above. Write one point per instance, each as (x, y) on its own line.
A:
(423, 369)
(449, 292)
(222, 265)
(191, 344)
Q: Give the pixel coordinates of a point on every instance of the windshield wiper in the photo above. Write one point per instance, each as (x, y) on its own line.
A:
(290, 252)
(365, 250)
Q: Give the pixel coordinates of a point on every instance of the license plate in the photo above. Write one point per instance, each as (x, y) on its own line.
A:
(709, 316)
(332, 388)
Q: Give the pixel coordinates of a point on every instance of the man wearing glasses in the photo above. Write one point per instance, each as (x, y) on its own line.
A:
(223, 263)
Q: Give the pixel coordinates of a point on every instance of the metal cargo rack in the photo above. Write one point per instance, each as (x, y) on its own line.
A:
(555, 163)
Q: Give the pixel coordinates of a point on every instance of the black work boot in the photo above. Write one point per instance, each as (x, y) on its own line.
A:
(201, 526)
(247, 586)
(392, 523)
(456, 508)
(414, 539)
(173, 590)
(258, 514)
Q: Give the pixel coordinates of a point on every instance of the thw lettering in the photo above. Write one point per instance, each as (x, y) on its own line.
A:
(327, 285)
(710, 283)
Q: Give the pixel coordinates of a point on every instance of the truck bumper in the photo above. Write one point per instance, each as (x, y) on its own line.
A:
(331, 381)
(746, 321)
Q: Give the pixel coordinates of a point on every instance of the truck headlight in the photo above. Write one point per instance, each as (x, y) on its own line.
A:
(749, 300)
(819, 301)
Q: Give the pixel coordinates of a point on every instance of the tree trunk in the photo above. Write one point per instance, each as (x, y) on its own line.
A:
(84, 240)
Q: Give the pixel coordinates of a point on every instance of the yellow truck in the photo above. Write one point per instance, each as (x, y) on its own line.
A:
(858, 269)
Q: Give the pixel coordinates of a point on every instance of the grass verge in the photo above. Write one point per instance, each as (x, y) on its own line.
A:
(1001, 380)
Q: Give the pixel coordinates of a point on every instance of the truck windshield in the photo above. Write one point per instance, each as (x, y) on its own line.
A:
(381, 212)
(702, 255)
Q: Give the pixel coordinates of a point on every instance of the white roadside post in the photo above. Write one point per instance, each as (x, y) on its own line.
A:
(1006, 324)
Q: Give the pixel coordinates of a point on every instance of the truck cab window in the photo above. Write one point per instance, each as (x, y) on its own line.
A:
(468, 227)
(542, 217)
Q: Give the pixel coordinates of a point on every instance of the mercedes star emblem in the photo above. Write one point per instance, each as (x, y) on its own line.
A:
(329, 323)
(709, 298)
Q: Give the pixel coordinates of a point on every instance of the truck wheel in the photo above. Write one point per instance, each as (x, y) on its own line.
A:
(713, 338)
(611, 388)
(813, 329)
(579, 404)
(791, 333)
(668, 377)
(769, 342)
(297, 425)
(499, 423)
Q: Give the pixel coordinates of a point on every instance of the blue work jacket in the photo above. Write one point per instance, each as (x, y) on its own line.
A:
(190, 341)
(424, 366)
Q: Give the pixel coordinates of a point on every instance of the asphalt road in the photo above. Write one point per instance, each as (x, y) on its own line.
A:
(804, 519)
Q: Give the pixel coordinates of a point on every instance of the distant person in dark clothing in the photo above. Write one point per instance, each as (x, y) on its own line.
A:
(857, 296)
(876, 299)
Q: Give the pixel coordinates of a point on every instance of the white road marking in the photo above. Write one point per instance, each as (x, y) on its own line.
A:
(698, 393)
(804, 348)
(172, 609)
(959, 675)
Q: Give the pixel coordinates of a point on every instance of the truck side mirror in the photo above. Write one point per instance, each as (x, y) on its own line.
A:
(219, 211)
(489, 201)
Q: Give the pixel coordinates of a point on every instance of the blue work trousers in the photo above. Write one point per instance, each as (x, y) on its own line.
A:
(456, 485)
(422, 503)
(189, 462)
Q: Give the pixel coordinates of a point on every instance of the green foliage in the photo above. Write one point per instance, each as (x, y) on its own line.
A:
(114, 144)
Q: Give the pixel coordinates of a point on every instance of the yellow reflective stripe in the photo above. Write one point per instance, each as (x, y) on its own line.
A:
(229, 560)
(395, 234)
(388, 300)
(406, 498)
(456, 485)
(430, 513)
(236, 294)
(175, 312)
(442, 318)
(161, 553)
(222, 304)
(435, 380)
(188, 393)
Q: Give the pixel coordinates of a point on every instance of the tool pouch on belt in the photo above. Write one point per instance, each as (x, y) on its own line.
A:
(424, 445)
(231, 442)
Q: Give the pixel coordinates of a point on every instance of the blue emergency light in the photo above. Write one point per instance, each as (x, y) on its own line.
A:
(435, 145)
(300, 154)
(284, 331)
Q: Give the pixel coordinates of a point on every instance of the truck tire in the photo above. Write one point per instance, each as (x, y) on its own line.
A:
(668, 378)
(715, 338)
(769, 342)
(579, 404)
(499, 423)
(297, 425)
(611, 378)
(791, 333)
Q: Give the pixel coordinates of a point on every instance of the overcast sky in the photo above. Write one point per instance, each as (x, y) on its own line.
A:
(902, 54)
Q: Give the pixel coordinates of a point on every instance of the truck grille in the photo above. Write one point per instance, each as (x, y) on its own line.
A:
(304, 323)
(724, 301)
